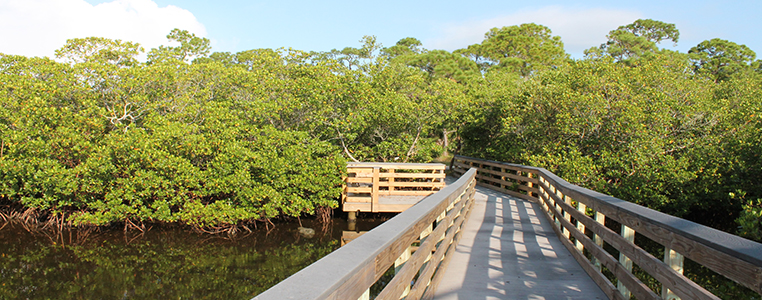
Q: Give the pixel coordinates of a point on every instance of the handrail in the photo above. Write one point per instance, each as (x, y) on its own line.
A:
(579, 215)
(367, 182)
(350, 271)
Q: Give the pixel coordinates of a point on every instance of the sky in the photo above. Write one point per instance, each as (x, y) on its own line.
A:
(38, 27)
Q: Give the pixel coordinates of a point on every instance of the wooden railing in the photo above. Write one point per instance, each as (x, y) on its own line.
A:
(389, 187)
(416, 243)
(583, 220)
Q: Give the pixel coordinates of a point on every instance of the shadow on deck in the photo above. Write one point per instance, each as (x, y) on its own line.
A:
(510, 251)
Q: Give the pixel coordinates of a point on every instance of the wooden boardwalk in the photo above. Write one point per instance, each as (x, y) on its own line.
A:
(510, 251)
(528, 235)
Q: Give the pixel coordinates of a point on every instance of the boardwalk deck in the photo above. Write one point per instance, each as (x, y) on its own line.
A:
(510, 251)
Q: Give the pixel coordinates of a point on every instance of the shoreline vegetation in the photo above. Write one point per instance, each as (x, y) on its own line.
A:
(219, 141)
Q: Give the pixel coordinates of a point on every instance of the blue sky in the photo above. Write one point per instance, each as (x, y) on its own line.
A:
(37, 27)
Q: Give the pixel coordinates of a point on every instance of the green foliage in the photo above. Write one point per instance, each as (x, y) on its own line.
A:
(522, 49)
(191, 47)
(637, 39)
(101, 50)
(650, 133)
(719, 59)
(226, 138)
(168, 142)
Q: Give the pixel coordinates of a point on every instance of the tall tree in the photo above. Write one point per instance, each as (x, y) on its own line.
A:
(102, 50)
(719, 59)
(523, 49)
(191, 47)
(633, 40)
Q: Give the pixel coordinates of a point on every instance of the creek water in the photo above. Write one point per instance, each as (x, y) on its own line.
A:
(163, 263)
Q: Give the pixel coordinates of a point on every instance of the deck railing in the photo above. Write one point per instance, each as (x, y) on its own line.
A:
(583, 220)
(415, 243)
(389, 187)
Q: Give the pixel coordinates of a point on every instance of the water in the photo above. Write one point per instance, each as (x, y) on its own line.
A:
(163, 263)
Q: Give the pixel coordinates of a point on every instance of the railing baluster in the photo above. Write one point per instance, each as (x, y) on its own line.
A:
(391, 180)
(581, 227)
(365, 296)
(629, 235)
(399, 263)
(567, 216)
(600, 218)
(675, 261)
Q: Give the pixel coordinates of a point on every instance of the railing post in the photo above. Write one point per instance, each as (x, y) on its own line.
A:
(559, 210)
(567, 216)
(629, 234)
(601, 219)
(399, 263)
(374, 207)
(365, 295)
(675, 261)
(581, 207)
(529, 183)
(391, 180)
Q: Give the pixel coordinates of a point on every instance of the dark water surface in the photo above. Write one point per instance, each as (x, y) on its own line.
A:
(163, 263)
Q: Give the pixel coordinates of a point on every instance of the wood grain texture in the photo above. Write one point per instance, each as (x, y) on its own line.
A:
(734, 257)
(348, 272)
(637, 287)
(682, 286)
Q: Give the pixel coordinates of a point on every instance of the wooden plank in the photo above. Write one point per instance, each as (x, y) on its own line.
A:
(374, 192)
(425, 277)
(406, 193)
(509, 175)
(364, 180)
(731, 256)
(593, 271)
(400, 166)
(582, 208)
(350, 270)
(431, 290)
(629, 235)
(356, 206)
(390, 178)
(360, 190)
(403, 278)
(675, 261)
(601, 219)
(498, 164)
(653, 266)
(358, 199)
(637, 287)
(498, 181)
(402, 184)
(414, 175)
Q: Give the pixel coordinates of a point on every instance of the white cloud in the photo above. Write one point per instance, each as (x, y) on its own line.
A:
(579, 29)
(38, 27)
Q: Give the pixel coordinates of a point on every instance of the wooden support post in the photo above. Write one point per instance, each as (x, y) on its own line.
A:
(675, 261)
(559, 209)
(629, 234)
(567, 216)
(581, 207)
(391, 180)
(374, 207)
(530, 184)
(398, 264)
(352, 217)
(600, 218)
(365, 296)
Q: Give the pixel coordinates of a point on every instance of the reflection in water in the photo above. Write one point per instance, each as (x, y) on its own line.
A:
(160, 264)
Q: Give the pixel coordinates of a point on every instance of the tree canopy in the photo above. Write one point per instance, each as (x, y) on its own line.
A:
(215, 139)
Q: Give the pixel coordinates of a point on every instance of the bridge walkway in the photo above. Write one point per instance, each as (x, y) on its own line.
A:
(510, 251)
